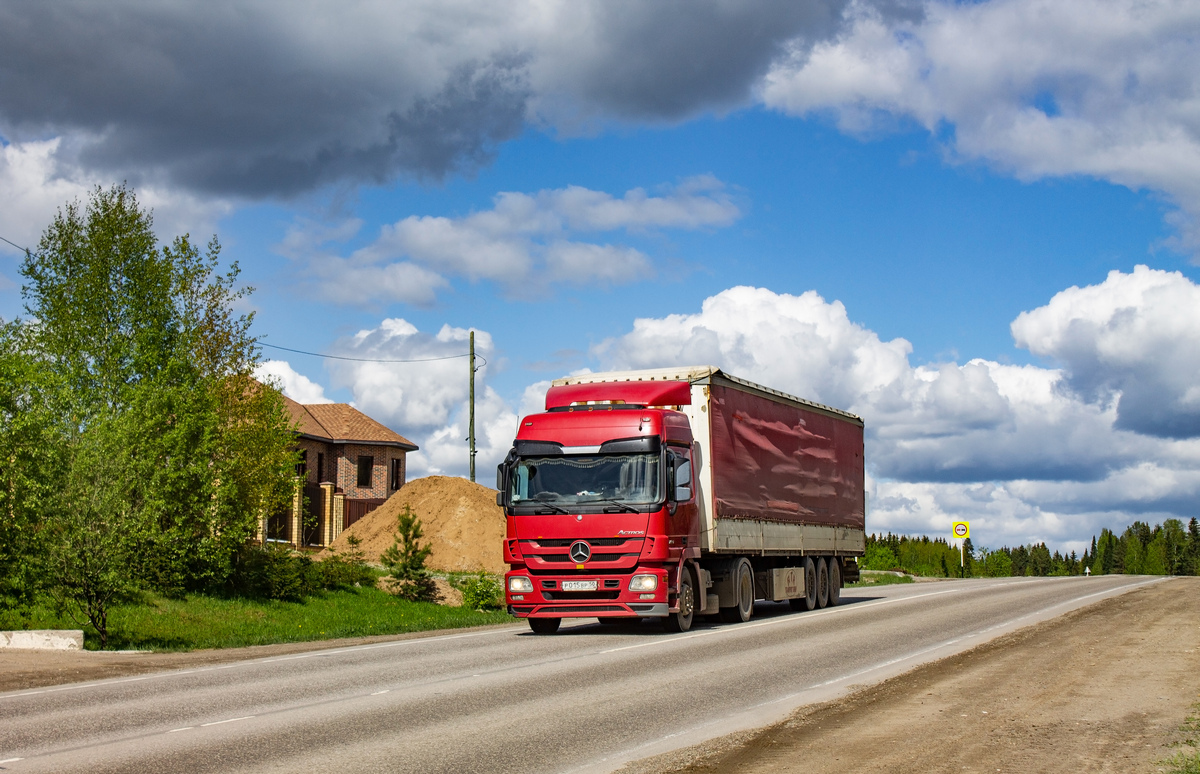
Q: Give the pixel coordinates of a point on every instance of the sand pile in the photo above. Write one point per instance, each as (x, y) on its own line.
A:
(462, 524)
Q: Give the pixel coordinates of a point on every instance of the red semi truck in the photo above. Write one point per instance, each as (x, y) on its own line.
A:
(678, 492)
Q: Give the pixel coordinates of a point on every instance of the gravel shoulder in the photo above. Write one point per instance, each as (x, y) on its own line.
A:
(1102, 689)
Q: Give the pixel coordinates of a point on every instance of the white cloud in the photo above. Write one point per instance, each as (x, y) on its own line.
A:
(1036, 87)
(35, 184)
(295, 385)
(1133, 337)
(427, 400)
(524, 242)
(1017, 448)
(409, 396)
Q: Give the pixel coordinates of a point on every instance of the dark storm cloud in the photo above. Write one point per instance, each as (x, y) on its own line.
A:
(664, 60)
(261, 99)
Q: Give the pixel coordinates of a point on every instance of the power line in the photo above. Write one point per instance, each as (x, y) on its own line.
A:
(367, 359)
(14, 244)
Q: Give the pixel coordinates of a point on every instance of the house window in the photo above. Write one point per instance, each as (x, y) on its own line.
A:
(302, 465)
(320, 467)
(366, 466)
(397, 473)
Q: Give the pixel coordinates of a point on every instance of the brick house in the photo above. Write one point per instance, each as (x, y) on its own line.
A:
(349, 465)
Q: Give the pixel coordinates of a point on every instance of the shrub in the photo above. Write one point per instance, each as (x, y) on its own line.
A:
(405, 560)
(339, 571)
(482, 592)
(270, 572)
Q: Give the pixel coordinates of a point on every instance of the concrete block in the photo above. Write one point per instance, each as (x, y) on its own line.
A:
(43, 639)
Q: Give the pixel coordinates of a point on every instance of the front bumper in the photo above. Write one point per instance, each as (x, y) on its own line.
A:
(612, 598)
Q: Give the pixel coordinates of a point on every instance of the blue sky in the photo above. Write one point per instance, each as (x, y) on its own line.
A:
(932, 214)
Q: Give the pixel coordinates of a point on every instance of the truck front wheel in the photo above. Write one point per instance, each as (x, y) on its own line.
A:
(743, 589)
(682, 621)
(544, 625)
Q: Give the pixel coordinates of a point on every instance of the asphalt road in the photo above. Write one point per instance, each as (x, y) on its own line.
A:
(586, 699)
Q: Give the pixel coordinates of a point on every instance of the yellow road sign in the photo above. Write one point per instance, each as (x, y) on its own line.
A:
(962, 529)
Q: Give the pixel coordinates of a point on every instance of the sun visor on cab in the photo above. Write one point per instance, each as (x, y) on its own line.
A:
(631, 393)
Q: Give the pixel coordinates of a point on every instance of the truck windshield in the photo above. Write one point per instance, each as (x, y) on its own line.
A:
(578, 480)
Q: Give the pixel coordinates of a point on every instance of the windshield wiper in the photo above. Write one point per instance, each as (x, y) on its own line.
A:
(623, 506)
(552, 507)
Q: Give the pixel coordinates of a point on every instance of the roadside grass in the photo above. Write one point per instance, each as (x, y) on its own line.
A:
(1187, 761)
(868, 578)
(157, 623)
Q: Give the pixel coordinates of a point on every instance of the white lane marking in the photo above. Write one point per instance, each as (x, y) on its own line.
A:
(787, 619)
(832, 611)
(231, 720)
(379, 693)
(11, 760)
(176, 730)
(252, 662)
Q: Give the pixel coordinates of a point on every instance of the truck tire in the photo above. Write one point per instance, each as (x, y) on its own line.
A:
(822, 582)
(809, 600)
(743, 589)
(835, 581)
(682, 621)
(544, 625)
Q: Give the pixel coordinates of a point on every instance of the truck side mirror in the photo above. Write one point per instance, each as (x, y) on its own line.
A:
(683, 481)
(500, 498)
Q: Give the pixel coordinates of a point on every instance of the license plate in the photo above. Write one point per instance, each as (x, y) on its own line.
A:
(579, 585)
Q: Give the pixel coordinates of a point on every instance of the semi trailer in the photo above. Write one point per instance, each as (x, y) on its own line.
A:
(678, 492)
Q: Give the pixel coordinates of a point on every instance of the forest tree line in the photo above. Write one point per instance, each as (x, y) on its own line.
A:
(1170, 548)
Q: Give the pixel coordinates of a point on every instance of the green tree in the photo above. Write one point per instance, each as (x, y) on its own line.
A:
(30, 466)
(995, 564)
(1155, 562)
(405, 559)
(146, 350)
(879, 556)
(1135, 551)
(1192, 552)
(91, 553)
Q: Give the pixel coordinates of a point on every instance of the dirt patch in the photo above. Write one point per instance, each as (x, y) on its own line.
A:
(463, 525)
(1102, 689)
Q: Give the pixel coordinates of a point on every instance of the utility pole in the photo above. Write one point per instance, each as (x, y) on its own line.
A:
(471, 426)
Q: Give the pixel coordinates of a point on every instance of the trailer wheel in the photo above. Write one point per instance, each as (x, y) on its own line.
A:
(682, 621)
(743, 587)
(822, 582)
(544, 625)
(835, 581)
(809, 600)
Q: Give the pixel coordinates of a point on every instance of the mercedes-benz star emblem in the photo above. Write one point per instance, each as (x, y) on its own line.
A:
(580, 552)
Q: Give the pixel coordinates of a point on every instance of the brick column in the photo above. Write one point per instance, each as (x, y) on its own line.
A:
(329, 533)
(296, 538)
(338, 513)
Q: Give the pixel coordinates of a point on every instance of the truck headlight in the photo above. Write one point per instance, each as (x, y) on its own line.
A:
(520, 584)
(643, 583)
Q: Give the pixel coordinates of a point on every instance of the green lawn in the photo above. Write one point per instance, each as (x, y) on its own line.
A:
(867, 578)
(158, 623)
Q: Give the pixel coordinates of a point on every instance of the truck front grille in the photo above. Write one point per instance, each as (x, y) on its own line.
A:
(565, 542)
(567, 595)
(563, 558)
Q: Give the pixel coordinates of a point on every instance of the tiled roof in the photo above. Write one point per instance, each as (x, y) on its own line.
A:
(342, 423)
